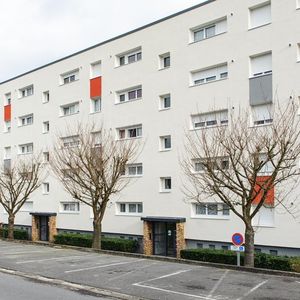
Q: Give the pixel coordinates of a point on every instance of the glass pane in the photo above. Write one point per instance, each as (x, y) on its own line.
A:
(225, 210)
(200, 209)
(132, 132)
(139, 93)
(199, 35)
(167, 142)
(140, 170)
(167, 183)
(132, 170)
(140, 208)
(167, 101)
(210, 31)
(122, 207)
(212, 209)
(131, 58)
(131, 95)
(139, 56)
(132, 208)
(167, 61)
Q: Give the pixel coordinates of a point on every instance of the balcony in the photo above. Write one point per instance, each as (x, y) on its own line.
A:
(261, 89)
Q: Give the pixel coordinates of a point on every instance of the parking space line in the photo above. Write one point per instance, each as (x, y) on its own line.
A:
(161, 277)
(23, 252)
(49, 259)
(252, 290)
(218, 283)
(104, 266)
(130, 272)
(173, 292)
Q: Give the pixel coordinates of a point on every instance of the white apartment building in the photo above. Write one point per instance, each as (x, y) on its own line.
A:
(183, 72)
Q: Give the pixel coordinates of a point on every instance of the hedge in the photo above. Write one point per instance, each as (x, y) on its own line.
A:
(18, 234)
(85, 240)
(261, 260)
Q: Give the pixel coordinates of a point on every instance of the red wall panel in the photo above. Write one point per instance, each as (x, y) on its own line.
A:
(7, 113)
(96, 87)
(270, 194)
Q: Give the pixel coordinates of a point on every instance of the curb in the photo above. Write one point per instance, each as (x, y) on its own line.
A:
(92, 291)
(164, 258)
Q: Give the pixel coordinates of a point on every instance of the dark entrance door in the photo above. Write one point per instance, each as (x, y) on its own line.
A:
(44, 228)
(164, 238)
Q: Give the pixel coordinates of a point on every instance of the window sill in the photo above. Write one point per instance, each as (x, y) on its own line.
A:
(260, 26)
(45, 132)
(63, 84)
(165, 150)
(129, 214)
(70, 212)
(164, 109)
(195, 42)
(63, 116)
(25, 153)
(120, 66)
(128, 139)
(132, 100)
(264, 226)
(205, 83)
(95, 112)
(166, 68)
(45, 194)
(208, 127)
(20, 126)
(261, 125)
(45, 102)
(132, 176)
(164, 192)
(211, 217)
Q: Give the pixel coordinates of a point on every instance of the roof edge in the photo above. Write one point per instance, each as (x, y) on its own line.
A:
(111, 39)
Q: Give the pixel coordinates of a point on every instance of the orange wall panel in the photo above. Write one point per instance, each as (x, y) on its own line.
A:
(96, 87)
(7, 113)
(270, 194)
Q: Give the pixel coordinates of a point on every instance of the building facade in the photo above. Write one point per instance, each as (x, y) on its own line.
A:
(184, 72)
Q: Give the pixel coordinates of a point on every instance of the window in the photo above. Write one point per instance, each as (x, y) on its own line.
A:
(268, 167)
(70, 141)
(129, 57)
(46, 187)
(129, 208)
(260, 15)
(224, 247)
(7, 126)
(164, 60)
(262, 114)
(209, 30)
(165, 143)
(26, 148)
(129, 94)
(46, 127)
(70, 109)
(212, 247)
(130, 132)
(27, 207)
(46, 97)
(70, 207)
(166, 184)
(7, 100)
(264, 217)
(25, 92)
(7, 153)
(261, 64)
(133, 170)
(165, 102)
(95, 105)
(199, 245)
(26, 120)
(220, 163)
(96, 69)
(205, 120)
(46, 157)
(69, 77)
(209, 74)
(211, 210)
(274, 252)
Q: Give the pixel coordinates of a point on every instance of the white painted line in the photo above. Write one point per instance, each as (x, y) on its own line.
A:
(173, 292)
(133, 271)
(218, 284)
(104, 266)
(160, 277)
(49, 259)
(253, 289)
(23, 252)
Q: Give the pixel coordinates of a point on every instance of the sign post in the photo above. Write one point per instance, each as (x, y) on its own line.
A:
(238, 240)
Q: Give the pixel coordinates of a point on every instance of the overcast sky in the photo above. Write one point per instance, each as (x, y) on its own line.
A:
(35, 32)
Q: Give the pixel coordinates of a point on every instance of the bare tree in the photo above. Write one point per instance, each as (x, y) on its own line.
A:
(17, 183)
(91, 166)
(240, 165)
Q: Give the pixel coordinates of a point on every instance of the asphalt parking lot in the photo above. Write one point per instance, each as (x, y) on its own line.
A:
(148, 279)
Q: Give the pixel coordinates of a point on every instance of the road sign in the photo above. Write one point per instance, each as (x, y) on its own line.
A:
(237, 248)
(237, 239)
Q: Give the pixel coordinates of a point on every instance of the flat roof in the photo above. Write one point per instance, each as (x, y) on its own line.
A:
(112, 39)
(164, 219)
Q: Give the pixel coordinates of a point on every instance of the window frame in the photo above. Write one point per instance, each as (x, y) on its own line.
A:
(221, 211)
(64, 204)
(163, 141)
(164, 184)
(123, 59)
(28, 147)
(26, 91)
(69, 77)
(124, 96)
(219, 120)
(126, 132)
(68, 106)
(139, 209)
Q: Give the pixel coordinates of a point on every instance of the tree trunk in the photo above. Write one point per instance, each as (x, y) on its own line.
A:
(96, 234)
(11, 223)
(249, 246)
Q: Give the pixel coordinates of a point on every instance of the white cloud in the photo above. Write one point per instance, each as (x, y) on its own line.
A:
(36, 32)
